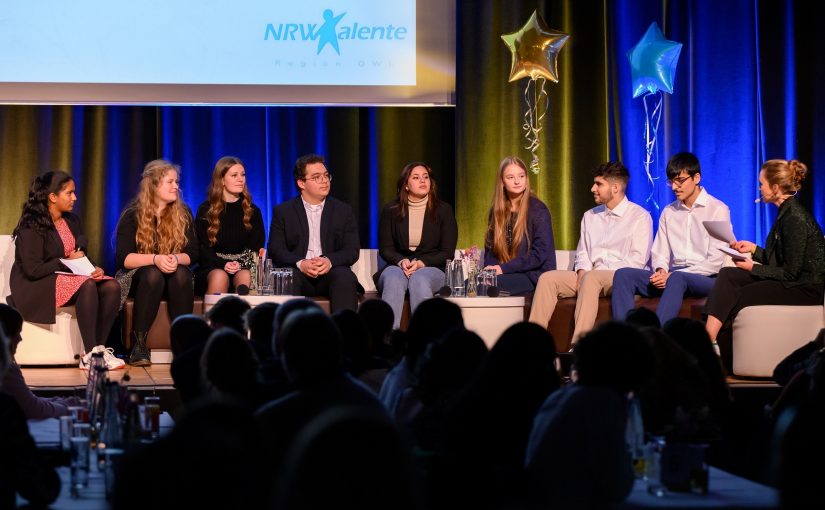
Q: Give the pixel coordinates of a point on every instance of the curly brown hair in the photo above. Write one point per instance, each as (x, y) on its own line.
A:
(168, 233)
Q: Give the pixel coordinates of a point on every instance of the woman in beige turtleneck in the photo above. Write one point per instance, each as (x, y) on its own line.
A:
(416, 236)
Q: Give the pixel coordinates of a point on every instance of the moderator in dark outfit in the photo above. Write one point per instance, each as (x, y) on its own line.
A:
(791, 271)
(232, 239)
(519, 275)
(289, 239)
(149, 285)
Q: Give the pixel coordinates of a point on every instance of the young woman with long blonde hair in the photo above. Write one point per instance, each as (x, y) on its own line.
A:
(519, 242)
(156, 244)
(230, 230)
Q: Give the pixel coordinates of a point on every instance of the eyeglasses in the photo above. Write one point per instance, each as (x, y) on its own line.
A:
(678, 182)
(319, 178)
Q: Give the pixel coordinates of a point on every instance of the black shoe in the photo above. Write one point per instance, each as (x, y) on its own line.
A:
(139, 357)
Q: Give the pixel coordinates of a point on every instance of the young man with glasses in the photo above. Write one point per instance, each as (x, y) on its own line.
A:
(318, 235)
(684, 258)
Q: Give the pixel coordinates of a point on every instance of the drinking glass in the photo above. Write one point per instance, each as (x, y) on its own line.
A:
(79, 463)
(457, 284)
(265, 278)
(287, 281)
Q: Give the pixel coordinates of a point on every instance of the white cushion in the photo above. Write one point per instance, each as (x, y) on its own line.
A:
(764, 335)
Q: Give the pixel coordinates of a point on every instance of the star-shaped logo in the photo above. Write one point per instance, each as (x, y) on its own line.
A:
(535, 48)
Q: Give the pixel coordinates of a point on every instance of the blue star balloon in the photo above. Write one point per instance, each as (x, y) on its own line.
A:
(653, 62)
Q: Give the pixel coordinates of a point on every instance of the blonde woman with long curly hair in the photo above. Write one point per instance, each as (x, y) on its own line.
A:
(156, 244)
(230, 230)
(519, 243)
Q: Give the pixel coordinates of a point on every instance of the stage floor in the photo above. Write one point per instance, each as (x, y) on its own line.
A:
(156, 376)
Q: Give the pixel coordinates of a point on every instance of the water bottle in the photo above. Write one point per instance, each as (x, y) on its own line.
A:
(653, 465)
(111, 431)
(635, 436)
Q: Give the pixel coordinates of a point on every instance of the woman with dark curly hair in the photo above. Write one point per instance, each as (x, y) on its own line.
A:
(47, 232)
(230, 230)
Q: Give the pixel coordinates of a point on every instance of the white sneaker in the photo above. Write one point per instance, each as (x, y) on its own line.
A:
(112, 361)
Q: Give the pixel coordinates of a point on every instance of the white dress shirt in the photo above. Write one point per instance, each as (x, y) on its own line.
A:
(682, 242)
(314, 222)
(613, 239)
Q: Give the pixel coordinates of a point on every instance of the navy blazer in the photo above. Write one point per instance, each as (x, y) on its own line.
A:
(289, 233)
(541, 256)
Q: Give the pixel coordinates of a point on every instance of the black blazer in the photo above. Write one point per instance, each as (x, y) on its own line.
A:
(36, 258)
(438, 237)
(289, 233)
(794, 251)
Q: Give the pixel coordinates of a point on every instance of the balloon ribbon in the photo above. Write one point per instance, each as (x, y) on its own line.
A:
(532, 117)
(652, 119)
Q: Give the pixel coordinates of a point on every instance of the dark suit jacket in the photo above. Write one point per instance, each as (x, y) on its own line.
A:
(794, 252)
(289, 233)
(36, 258)
(541, 256)
(438, 237)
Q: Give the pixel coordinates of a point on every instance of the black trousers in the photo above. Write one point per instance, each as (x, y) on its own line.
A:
(96, 304)
(340, 285)
(150, 285)
(736, 289)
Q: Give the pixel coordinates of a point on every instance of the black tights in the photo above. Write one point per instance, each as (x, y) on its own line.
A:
(96, 304)
(150, 284)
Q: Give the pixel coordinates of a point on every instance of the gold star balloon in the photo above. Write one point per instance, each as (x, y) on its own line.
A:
(535, 48)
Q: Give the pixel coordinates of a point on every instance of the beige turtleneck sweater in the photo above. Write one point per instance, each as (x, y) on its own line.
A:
(416, 212)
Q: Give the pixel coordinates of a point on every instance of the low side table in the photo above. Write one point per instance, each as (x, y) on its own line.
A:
(490, 317)
(209, 300)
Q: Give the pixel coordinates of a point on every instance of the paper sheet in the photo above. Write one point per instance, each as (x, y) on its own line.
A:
(721, 230)
(80, 265)
(735, 255)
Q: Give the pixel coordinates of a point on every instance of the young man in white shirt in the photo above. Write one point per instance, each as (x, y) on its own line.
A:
(684, 258)
(614, 234)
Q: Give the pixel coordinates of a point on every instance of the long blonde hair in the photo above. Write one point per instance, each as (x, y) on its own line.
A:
(500, 214)
(216, 203)
(168, 233)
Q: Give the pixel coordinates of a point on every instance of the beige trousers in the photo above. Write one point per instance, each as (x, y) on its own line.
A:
(553, 285)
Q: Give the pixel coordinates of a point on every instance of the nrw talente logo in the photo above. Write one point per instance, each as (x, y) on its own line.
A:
(328, 33)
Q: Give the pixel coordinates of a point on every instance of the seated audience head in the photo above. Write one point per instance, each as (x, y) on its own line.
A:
(692, 336)
(780, 179)
(12, 323)
(613, 355)
(432, 319)
(228, 313)
(523, 359)
(310, 347)
(512, 184)
(354, 338)
(5, 355)
(609, 183)
(449, 363)
(258, 321)
(347, 457)
(187, 331)
(378, 316)
(642, 318)
(283, 312)
(228, 364)
(36, 208)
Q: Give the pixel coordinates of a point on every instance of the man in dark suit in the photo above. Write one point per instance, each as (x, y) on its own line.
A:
(318, 235)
